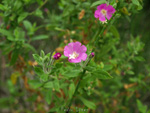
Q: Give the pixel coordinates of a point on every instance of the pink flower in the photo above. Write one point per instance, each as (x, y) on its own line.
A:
(75, 52)
(103, 11)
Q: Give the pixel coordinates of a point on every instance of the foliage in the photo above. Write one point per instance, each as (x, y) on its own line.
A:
(115, 79)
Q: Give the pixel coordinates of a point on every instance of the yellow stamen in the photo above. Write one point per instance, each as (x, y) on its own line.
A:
(104, 12)
(73, 55)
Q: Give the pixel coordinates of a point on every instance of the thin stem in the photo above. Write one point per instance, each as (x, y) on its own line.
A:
(100, 32)
(39, 7)
(78, 84)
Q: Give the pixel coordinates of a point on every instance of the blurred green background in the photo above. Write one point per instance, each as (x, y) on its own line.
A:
(29, 26)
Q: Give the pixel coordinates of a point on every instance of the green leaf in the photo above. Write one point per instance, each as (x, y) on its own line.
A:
(2, 7)
(140, 7)
(142, 108)
(107, 67)
(48, 96)
(22, 17)
(35, 84)
(19, 34)
(38, 71)
(130, 72)
(71, 89)
(86, 80)
(90, 68)
(39, 13)
(26, 45)
(27, 25)
(98, 3)
(100, 74)
(56, 85)
(42, 54)
(136, 2)
(139, 58)
(71, 73)
(5, 32)
(37, 58)
(114, 31)
(148, 111)
(14, 57)
(49, 85)
(88, 103)
(40, 37)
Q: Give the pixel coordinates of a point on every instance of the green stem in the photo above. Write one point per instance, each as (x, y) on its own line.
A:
(78, 84)
(100, 32)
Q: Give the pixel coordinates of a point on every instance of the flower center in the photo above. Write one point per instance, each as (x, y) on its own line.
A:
(73, 55)
(104, 12)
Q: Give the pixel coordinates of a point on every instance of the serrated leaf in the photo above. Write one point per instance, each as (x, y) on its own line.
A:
(14, 57)
(39, 13)
(136, 2)
(88, 103)
(26, 45)
(5, 32)
(49, 85)
(100, 74)
(22, 16)
(40, 37)
(56, 85)
(38, 71)
(98, 3)
(90, 68)
(35, 84)
(71, 89)
(114, 31)
(48, 96)
(2, 7)
(37, 58)
(86, 80)
(142, 108)
(27, 25)
(139, 58)
(71, 73)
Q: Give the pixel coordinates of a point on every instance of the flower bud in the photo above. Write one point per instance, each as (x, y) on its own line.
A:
(57, 56)
(92, 54)
(46, 10)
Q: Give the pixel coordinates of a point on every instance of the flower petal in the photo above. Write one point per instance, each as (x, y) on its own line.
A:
(68, 49)
(108, 16)
(97, 13)
(81, 49)
(110, 9)
(102, 6)
(77, 60)
(102, 17)
(76, 45)
(83, 56)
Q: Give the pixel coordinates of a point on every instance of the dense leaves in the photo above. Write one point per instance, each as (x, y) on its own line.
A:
(116, 79)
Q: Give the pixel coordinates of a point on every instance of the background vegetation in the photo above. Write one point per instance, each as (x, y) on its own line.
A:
(29, 26)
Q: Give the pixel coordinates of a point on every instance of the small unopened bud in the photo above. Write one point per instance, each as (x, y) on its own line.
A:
(57, 56)
(92, 54)
(46, 10)
(7, 27)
